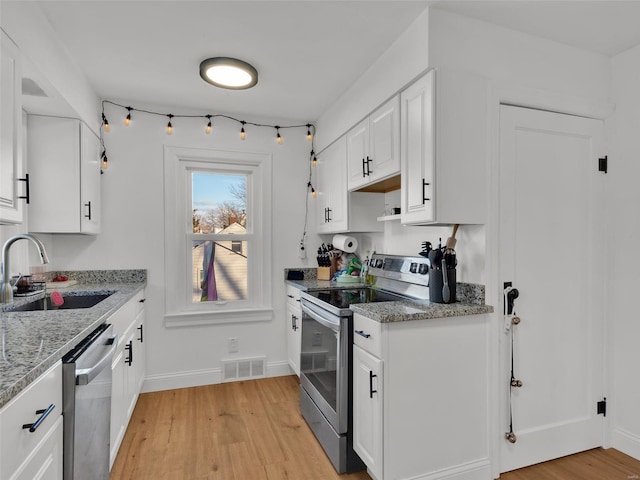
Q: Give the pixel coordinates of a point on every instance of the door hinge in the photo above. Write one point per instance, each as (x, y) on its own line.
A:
(602, 407)
(603, 164)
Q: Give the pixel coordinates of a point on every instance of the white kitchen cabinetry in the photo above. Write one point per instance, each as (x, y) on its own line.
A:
(444, 149)
(373, 146)
(338, 210)
(429, 417)
(27, 455)
(293, 322)
(128, 367)
(64, 166)
(11, 147)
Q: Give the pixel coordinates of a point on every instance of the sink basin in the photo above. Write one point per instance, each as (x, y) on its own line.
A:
(70, 302)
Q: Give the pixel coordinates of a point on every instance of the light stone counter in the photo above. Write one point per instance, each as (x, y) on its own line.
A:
(33, 341)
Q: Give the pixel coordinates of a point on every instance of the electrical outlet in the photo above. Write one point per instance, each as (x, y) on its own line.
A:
(233, 345)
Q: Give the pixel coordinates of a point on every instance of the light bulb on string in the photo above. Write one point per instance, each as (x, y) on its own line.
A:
(314, 160)
(127, 120)
(278, 137)
(104, 162)
(169, 126)
(313, 190)
(208, 129)
(105, 124)
(243, 134)
(309, 136)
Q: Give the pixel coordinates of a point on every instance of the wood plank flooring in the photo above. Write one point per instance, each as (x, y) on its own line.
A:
(253, 430)
(249, 430)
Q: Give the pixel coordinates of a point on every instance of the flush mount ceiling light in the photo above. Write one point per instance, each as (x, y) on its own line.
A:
(229, 73)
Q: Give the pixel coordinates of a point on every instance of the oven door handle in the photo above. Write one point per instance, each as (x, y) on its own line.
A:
(317, 316)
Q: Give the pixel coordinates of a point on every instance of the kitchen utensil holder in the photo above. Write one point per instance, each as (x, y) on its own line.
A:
(436, 284)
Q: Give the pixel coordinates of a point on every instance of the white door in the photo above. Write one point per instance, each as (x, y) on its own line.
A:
(551, 248)
(357, 154)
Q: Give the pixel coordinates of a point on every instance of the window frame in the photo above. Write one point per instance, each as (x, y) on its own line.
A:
(179, 164)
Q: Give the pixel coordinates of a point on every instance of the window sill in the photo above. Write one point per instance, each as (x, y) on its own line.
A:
(190, 319)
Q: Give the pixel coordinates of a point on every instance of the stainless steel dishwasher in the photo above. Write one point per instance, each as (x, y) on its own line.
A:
(86, 405)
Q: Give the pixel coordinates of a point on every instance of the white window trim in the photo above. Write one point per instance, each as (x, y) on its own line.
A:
(179, 310)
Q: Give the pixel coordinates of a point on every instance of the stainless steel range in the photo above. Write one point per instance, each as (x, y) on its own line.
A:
(326, 358)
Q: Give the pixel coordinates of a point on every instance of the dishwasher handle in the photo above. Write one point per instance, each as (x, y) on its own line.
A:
(86, 375)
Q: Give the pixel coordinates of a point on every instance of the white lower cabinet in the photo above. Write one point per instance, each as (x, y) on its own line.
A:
(293, 323)
(37, 454)
(128, 368)
(367, 418)
(420, 390)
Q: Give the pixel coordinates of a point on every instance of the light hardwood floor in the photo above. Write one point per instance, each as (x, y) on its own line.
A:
(253, 431)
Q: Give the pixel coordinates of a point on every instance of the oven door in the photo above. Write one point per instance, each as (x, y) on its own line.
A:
(324, 363)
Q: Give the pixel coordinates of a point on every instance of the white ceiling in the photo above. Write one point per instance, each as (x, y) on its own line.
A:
(307, 52)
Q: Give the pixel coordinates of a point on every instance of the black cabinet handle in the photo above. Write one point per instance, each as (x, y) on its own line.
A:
(43, 414)
(27, 195)
(140, 337)
(142, 300)
(129, 347)
(328, 214)
(294, 323)
(362, 334)
(88, 205)
(371, 390)
(424, 197)
(290, 296)
(364, 163)
(369, 171)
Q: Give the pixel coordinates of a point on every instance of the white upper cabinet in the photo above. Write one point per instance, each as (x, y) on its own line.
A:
(64, 165)
(444, 148)
(373, 146)
(339, 210)
(11, 151)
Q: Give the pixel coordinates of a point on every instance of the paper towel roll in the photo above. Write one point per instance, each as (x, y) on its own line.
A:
(345, 243)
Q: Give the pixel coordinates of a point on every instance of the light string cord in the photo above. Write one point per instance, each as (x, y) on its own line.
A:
(311, 133)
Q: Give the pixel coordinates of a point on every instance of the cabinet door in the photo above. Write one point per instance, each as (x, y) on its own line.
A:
(384, 143)
(11, 159)
(418, 151)
(140, 365)
(357, 155)
(118, 407)
(45, 463)
(333, 207)
(293, 321)
(90, 181)
(367, 410)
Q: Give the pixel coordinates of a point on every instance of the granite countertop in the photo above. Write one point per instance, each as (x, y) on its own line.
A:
(34, 341)
(470, 301)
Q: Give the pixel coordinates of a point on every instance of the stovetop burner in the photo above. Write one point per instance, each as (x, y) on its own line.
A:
(344, 297)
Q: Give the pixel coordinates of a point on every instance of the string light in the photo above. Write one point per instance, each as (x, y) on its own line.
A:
(313, 190)
(278, 137)
(169, 126)
(314, 160)
(105, 162)
(243, 134)
(127, 120)
(105, 124)
(309, 136)
(208, 129)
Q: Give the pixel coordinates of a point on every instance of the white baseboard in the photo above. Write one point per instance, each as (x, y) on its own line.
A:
(475, 470)
(626, 442)
(198, 378)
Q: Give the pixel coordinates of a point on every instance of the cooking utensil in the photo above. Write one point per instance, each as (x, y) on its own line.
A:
(446, 293)
(426, 248)
(451, 241)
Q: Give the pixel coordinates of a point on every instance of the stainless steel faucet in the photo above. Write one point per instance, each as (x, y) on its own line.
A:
(6, 290)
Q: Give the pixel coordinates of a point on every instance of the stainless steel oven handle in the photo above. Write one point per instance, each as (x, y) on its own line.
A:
(318, 317)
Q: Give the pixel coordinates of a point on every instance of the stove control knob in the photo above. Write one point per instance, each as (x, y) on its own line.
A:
(424, 269)
(413, 268)
(378, 263)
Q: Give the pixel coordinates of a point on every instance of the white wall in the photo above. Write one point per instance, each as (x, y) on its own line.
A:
(623, 198)
(133, 236)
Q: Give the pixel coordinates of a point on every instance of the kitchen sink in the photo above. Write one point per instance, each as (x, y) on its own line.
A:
(70, 302)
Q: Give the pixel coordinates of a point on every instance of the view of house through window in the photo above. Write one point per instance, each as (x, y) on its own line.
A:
(219, 240)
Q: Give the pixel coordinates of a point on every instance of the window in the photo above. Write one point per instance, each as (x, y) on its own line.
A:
(217, 236)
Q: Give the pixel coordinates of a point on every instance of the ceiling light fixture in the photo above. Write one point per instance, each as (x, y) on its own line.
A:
(228, 72)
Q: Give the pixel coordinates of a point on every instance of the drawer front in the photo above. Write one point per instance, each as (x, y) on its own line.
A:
(17, 442)
(123, 319)
(293, 296)
(367, 334)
